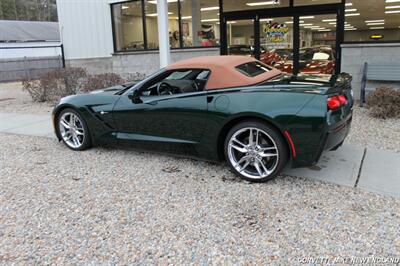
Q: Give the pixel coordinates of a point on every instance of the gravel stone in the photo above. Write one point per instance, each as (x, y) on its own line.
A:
(375, 133)
(109, 206)
(15, 100)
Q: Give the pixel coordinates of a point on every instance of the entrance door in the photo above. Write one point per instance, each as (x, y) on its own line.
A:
(303, 40)
(318, 41)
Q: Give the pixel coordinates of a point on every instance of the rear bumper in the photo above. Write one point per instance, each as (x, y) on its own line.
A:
(337, 134)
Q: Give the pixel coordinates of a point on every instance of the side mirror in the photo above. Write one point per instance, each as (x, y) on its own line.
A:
(135, 97)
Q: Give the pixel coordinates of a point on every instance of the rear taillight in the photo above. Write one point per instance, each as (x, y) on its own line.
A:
(342, 99)
(336, 102)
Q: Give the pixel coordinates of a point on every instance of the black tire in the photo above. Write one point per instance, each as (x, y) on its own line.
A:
(275, 138)
(87, 142)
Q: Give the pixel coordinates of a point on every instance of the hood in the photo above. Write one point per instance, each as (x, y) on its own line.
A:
(114, 89)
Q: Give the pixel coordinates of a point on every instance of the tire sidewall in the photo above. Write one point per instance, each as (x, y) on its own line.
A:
(274, 134)
(87, 138)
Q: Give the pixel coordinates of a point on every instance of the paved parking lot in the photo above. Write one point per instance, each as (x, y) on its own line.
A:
(119, 206)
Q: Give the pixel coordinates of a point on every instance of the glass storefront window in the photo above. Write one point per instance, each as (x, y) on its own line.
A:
(318, 44)
(200, 23)
(199, 28)
(239, 5)
(152, 24)
(276, 41)
(128, 26)
(372, 21)
(240, 37)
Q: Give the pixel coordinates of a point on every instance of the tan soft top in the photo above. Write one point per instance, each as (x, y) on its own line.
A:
(223, 72)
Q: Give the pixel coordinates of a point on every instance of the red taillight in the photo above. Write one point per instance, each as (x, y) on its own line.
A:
(333, 103)
(336, 102)
(342, 99)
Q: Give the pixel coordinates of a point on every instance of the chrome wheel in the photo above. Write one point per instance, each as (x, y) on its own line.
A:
(71, 130)
(253, 153)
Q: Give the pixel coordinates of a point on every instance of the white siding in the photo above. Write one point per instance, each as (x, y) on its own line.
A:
(85, 28)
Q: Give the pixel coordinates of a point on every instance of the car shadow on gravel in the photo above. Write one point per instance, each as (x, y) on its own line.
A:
(175, 164)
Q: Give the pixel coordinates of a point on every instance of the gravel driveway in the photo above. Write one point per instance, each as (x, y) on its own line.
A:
(107, 206)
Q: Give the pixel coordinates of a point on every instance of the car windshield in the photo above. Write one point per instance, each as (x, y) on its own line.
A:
(310, 54)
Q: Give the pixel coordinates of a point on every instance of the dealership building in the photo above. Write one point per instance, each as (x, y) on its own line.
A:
(144, 35)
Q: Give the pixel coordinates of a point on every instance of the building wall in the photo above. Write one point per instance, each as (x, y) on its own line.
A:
(364, 35)
(142, 62)
(85, 28)
(355, 55)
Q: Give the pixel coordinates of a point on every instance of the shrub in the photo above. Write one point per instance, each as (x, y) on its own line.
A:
(101, 81)
(59, 83)
(384, 102)
(37, 93)
(134, 77)
(56, 84)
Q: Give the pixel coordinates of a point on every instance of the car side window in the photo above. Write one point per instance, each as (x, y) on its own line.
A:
(177, 82)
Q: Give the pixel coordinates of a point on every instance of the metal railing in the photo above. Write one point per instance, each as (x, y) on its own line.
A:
(29, 67)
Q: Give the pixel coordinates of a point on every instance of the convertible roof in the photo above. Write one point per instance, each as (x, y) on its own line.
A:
(223, 72)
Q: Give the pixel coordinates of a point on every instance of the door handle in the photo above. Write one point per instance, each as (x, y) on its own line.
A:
(209, 99)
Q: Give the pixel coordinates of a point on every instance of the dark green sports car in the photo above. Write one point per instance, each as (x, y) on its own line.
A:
(231, 108)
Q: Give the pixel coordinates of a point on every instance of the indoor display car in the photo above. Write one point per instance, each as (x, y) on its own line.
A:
(242, 49)
(315, 60)
(218, 108)
(277, 55)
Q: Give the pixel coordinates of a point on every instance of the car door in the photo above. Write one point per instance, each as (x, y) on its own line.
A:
(162, 119)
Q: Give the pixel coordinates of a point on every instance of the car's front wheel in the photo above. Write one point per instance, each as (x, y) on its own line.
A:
(73, 130)
(255, 151)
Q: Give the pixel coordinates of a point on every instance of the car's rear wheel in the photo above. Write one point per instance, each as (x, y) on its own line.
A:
(73, 130)
(255, 151)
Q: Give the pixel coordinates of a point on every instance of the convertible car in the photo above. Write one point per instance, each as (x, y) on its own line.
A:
(232, 108)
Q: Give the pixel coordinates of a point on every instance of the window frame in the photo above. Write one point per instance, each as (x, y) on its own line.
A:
(114, 30)
(145, 44)
(164, 73)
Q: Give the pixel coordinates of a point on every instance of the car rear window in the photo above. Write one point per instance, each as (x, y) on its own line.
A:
(252, 69)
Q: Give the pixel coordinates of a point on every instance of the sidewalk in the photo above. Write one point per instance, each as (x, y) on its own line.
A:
(370, 169)
(26, 124)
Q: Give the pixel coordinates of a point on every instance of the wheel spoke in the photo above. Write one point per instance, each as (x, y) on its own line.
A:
(263, 154)
(257, 166)
(244, 166)
(256, 137)
(79, 132)
(241, 148)
(76, 141)
(66, 135)
(244, 158)
(251, 137)
(64, 123)
(267, 172)
(268, 148)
